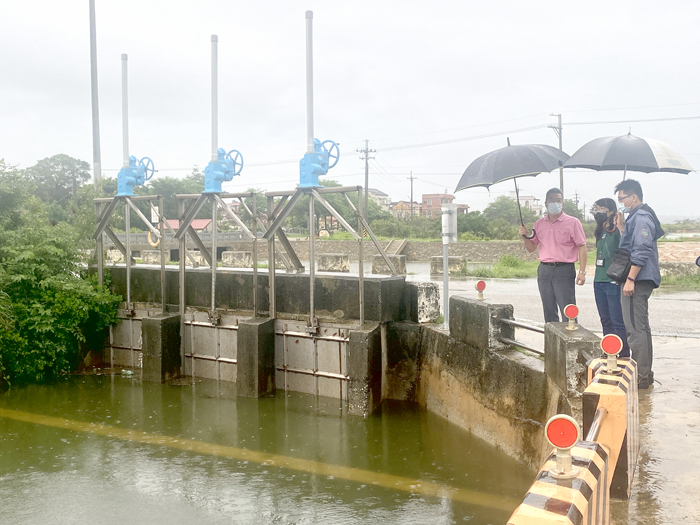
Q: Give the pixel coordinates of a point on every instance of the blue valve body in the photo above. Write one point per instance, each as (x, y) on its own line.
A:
(312, 166)
(129, 177)
(218, 171)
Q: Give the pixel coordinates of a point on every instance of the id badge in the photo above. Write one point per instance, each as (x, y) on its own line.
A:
(600, 262)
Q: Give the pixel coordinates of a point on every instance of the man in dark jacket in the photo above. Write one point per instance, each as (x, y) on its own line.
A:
(640, 232)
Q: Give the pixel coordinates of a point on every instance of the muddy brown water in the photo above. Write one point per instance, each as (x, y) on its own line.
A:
(111, 449)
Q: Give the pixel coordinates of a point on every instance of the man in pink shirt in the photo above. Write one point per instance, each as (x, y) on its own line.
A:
(562, 243)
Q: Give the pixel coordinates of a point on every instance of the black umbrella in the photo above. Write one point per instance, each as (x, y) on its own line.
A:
(511, 162)
(628, 152)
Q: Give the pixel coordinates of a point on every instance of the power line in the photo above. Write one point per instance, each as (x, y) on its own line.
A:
(630, 121)
(464, 139)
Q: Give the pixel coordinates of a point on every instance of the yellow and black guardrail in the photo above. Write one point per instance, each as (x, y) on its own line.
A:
(575, 483)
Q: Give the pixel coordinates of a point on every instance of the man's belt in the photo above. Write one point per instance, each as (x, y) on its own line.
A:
(555, 263)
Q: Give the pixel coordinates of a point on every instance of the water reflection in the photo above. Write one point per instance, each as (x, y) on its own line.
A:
(344, 469)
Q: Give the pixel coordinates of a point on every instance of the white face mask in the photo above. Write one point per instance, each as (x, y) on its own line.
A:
(622, 208)
(554, 208)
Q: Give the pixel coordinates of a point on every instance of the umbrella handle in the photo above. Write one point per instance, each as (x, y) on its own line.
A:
(531, 236)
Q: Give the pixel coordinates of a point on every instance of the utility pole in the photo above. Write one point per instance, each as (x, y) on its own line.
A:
(411, 178)
(557, 129)
(365, 155)
(96, 155)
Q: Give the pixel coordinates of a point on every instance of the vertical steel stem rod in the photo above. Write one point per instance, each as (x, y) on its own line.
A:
(271, 260)
(254, 229)
(99, 248)
(309, 83)
(312, 259)
(360, 252)
(125, 111)
(214, 231)
(161, 229)
(214, 97)
(181, 284)
(127, 227)
(96, 154)
(445, 285)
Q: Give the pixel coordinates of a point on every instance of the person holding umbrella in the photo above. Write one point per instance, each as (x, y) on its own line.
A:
(561, 243)
(607, 293)
(639, 235)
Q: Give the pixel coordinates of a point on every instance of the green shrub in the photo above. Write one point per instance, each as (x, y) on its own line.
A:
(50, 313)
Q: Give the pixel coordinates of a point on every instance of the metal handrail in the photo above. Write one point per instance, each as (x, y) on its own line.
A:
(509, 341)
(598, 419)
(522, 324)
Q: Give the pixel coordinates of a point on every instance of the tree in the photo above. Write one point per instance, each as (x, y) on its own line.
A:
(475, 223)
(506, 208)
(49, 311)
(570, 208)
(56, 178)
(169, 187)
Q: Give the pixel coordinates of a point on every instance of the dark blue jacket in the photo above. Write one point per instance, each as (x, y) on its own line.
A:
(639, 236)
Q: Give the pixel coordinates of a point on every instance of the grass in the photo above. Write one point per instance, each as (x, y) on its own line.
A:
(507, 267)
(687, 282)
(681, 239)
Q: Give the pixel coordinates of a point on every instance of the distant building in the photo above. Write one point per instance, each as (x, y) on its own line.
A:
(432, 204)
(200, 225)
(529, 202)
(462, 209)
(402, 209)
(382, 199)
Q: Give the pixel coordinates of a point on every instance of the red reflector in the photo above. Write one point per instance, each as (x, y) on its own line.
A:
(571, 311)
(562, 433)
(611, 344)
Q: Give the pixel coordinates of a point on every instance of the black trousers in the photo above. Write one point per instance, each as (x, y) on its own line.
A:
(557, 286)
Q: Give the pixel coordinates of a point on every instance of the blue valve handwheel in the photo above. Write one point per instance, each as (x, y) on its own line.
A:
(237, 159)
(333, 152)
(148, 167)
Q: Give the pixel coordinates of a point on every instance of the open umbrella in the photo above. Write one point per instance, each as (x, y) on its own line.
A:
(511, 162)
(628, 152)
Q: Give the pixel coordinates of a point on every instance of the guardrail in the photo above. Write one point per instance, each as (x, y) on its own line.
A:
(521, 344)
(577, 480)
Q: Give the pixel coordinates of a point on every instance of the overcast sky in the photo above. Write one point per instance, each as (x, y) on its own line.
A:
(404, 75)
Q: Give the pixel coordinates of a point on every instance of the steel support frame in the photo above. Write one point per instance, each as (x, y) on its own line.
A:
(280, 213)
(187, 215)
(104, 209)
(103, 217)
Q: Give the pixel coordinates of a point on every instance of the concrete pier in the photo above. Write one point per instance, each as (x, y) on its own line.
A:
(456, 265)
(153, 256)
(379, 265)
(161, 347)
(256, 357)
(333, 262)
(237, 259)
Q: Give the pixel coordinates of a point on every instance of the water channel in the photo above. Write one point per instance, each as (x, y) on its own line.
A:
(108, 449)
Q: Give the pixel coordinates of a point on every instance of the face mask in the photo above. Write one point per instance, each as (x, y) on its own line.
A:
(600, 216)
(554, 208)
(622, 208)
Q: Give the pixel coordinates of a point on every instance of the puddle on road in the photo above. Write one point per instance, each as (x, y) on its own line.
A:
(111, 449)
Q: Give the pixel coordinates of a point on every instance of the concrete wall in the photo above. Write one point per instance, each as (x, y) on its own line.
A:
(502, 397)
(487, 251)
(336, 297)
